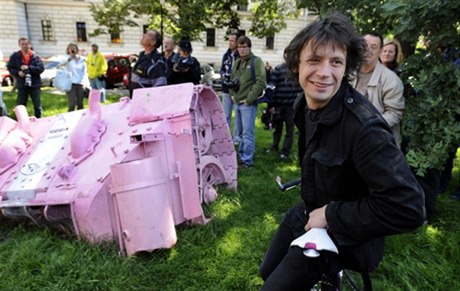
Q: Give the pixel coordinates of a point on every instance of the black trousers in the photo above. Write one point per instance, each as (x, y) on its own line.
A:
(75, 96)
(285, 267)
(283, 116)
(34, 93)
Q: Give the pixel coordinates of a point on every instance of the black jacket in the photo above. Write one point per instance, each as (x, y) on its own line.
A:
(35, 69)
(226, 67)
(286, 90)
(351, 163)
(188, 71)
(148, 71)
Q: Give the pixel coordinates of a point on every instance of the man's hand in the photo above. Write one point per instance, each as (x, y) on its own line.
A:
(24, 67)
(317, 219)
(233, 98)
(21, 74)
(132, 58)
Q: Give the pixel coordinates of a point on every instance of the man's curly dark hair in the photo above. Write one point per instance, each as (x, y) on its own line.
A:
(336, 29)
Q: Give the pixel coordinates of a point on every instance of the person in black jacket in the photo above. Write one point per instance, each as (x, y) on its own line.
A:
(228, 59)
(356, 183)
(187, 68)
(149, 69)
(26, 67)
(285, 93)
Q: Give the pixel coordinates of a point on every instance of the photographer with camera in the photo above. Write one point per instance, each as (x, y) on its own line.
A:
(149, 69)
(248, 81)
(76, 65)
(229, 58)
(187, 68)
(97, 70)
(26, 67)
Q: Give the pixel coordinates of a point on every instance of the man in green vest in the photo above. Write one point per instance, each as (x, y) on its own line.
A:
(248, 81)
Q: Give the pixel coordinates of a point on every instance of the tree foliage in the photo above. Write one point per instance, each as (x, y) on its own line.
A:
(112, 14)
(190, 18)
(268, 16)
(180, 18)
(432, 118)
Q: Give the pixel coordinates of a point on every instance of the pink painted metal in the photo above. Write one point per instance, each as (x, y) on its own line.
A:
(128, 171)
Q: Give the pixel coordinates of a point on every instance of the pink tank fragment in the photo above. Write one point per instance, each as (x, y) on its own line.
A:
(128, 171)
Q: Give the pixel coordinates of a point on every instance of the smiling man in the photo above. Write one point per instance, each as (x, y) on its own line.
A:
(355, 181)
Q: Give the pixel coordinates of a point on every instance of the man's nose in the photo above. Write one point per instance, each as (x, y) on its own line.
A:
(324, 69)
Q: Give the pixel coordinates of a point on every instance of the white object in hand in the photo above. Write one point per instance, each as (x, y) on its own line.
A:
(314, 241)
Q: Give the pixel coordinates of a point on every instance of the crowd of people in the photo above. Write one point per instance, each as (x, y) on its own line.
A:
(149, 68)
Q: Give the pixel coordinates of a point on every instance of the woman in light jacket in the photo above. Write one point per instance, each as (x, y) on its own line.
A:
(76, 65)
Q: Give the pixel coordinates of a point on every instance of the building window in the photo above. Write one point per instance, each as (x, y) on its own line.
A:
(242, 7)
(270, 42)
(81, 31)
(115, 37)
(241, 32)
(47, 30)
(210, 37)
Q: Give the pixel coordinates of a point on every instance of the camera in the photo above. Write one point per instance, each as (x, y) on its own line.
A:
(229, 83)
(269, 91)
(183, 64)
(73, 51)
(232, 84)
(28, 81)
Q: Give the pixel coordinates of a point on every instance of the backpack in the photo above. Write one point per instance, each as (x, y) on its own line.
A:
(269, 91)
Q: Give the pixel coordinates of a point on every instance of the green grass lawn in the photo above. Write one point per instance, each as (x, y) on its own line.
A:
(222, 255)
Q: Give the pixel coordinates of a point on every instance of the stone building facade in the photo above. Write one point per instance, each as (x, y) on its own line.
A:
(52, 24)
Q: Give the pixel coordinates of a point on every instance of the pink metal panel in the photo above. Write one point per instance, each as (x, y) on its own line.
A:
(150, 104)
(15, 142)
(145, 215)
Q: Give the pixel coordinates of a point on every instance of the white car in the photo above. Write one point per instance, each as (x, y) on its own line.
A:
(52, 64)
(50, 72)
(209, 76)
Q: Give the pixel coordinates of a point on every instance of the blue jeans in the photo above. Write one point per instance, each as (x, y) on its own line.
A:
(237, 127)
(100, 85)
(245, 119)
(227, 104)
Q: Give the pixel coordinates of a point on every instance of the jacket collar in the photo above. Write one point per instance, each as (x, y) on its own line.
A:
(333, 110)
(250, 56)
(374, 81)
(235, 54)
